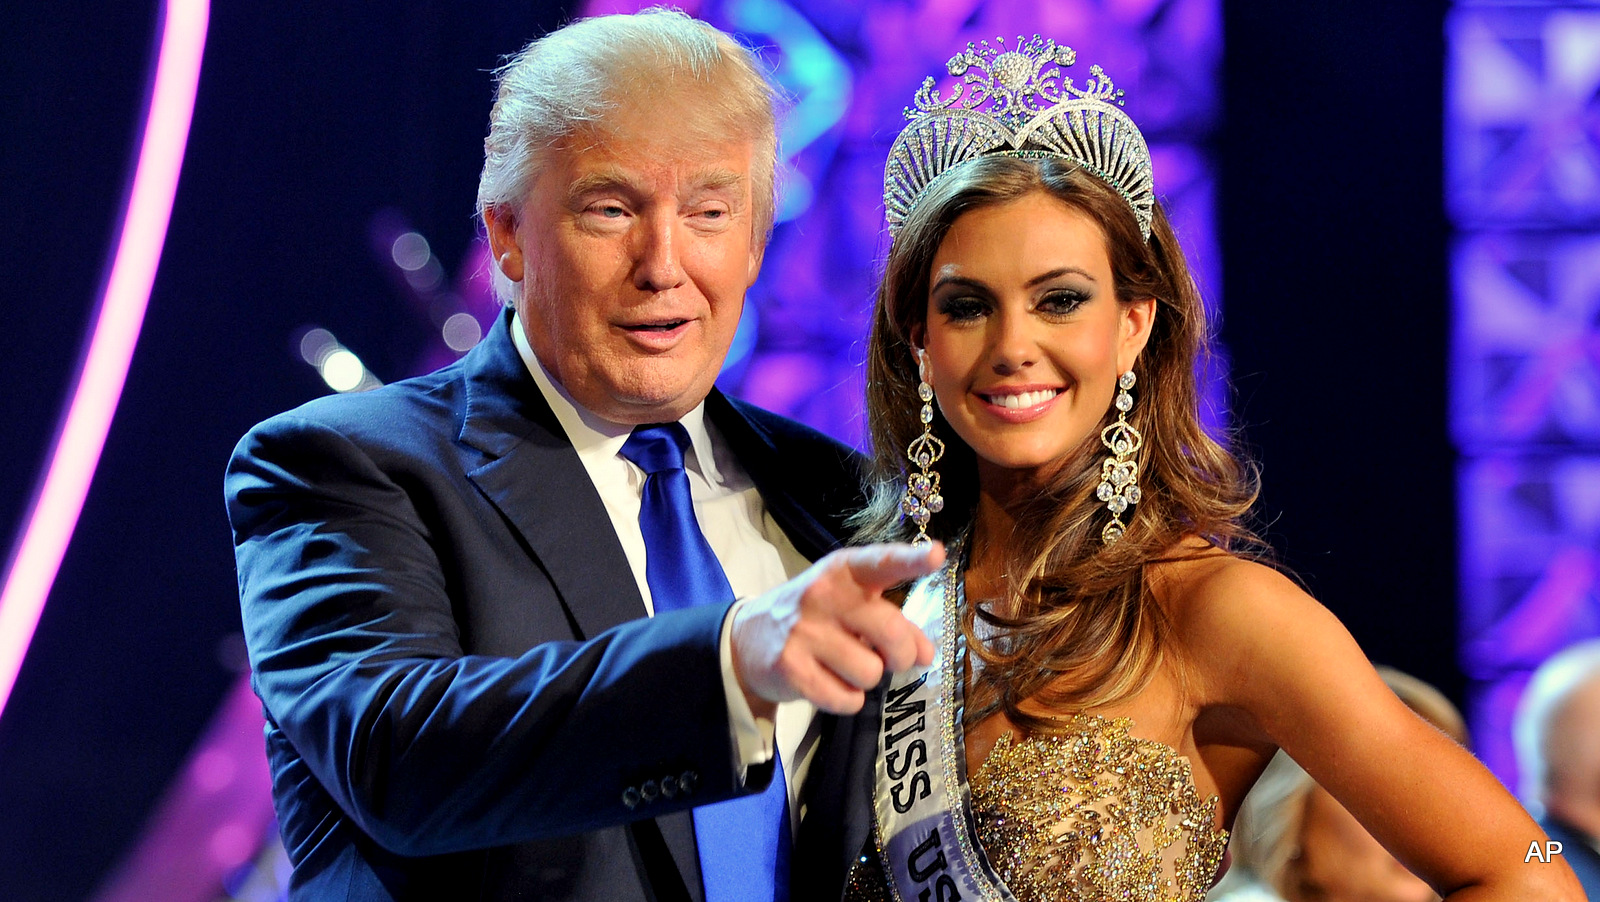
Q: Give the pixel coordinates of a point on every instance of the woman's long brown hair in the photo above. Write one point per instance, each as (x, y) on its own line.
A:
(1082, 628)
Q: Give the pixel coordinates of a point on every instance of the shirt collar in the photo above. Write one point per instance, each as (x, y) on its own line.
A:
(593, 435)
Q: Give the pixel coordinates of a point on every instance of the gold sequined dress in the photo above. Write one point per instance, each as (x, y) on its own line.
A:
(1087, 814)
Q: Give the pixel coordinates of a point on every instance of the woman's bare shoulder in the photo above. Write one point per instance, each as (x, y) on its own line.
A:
(1226, 611)
(1198, 583)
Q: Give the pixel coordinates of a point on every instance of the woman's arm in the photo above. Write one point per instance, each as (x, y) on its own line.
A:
(1266, 648)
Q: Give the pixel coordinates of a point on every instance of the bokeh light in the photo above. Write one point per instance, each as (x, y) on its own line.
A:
(342, 370)
(410, 251)
(462, 331)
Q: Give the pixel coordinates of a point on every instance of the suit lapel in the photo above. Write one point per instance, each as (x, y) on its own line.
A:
(758, 454)
(531, 474)
(838, 802)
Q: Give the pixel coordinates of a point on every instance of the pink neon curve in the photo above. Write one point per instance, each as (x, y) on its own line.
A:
(116, 330)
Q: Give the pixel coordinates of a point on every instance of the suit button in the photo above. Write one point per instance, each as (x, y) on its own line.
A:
(669, 786)
(630, 797)
(687, 781)
(649, 790)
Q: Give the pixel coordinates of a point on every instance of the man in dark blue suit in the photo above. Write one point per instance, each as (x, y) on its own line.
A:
(445, 582)
(1558, 750)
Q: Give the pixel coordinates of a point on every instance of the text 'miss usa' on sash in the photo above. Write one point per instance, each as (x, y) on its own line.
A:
(921, 806)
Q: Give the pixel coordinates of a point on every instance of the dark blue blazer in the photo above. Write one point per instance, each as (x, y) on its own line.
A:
(459, 682)
(1578, 852)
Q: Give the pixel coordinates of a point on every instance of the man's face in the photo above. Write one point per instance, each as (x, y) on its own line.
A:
(634, 249)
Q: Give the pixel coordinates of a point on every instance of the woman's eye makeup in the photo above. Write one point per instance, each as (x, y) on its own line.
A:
(1057, 302)
(961, 308)
(1062, 301)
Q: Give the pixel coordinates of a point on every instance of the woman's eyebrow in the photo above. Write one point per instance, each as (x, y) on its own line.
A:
(1058, 273)
(970, 282)
(965, 281)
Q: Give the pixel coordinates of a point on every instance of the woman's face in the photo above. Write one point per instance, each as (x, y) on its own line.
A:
(1025, 338)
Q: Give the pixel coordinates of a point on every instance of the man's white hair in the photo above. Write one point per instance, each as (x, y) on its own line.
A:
(1552, 684)
(571, 78)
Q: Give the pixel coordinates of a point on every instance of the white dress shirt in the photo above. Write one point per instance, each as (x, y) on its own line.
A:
(754, 552)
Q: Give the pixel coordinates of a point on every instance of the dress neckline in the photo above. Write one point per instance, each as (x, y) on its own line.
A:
(1107, 729)
(1120, 724)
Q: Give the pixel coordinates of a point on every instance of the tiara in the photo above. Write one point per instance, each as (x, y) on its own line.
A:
(1034, 111)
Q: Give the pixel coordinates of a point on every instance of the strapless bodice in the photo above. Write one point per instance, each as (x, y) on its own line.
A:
(1087, 813)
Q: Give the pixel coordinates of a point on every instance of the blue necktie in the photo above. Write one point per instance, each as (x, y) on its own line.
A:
(744, 843)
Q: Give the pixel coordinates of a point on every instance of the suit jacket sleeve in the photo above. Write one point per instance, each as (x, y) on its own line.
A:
(351, 621)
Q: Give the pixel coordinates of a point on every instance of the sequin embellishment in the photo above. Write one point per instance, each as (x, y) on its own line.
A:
(1092, 814)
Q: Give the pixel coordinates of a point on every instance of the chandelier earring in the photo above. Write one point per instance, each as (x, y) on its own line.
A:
(1119, 473)
(922, 498)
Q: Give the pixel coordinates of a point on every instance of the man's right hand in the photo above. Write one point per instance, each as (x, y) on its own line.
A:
(828, 635)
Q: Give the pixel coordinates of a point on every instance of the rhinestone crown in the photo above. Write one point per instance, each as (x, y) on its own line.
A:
(1033, 110)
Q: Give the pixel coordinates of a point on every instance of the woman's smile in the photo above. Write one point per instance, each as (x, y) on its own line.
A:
(1019, 403)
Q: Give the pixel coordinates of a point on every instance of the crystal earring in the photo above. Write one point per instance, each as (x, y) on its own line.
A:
(922, 499)
(1119, 473)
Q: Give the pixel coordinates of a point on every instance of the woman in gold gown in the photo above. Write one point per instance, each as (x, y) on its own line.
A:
(1116, 664)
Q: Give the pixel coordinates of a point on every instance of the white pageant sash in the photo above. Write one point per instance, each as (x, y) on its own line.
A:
(922, 809)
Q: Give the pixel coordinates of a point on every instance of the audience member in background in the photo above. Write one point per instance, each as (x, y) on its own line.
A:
(1558, 751)
(1293, 842)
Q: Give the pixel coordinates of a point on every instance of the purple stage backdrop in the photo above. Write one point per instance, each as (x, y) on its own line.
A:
(1523, 189)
